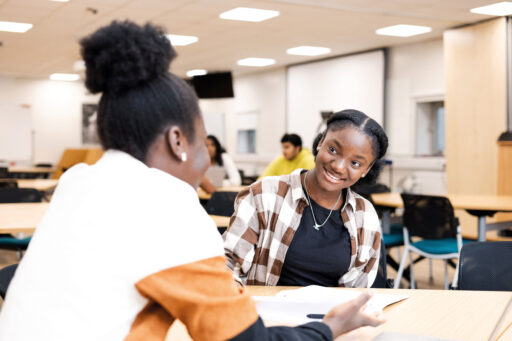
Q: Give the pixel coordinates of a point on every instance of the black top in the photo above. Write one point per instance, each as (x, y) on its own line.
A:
(317, 257)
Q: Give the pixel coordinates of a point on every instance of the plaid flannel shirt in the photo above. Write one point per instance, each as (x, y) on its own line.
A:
(268, 213)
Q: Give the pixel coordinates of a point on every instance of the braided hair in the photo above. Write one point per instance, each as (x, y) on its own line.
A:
(366, 125)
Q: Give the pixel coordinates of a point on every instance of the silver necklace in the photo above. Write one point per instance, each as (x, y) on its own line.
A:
(317, 226)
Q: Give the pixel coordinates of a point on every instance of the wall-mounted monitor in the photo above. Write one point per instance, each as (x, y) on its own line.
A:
(214, 85)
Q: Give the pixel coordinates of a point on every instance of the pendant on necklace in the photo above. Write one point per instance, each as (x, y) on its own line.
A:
(316, 227)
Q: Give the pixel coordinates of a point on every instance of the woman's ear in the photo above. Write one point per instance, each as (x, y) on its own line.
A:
(177, 142)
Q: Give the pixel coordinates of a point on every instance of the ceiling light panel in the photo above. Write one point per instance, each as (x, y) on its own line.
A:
(403, 30)
(308, 50)
(258, 62)
(179, 40)
(498, 9)
(196, 72)
(248, 14)
(16, 27)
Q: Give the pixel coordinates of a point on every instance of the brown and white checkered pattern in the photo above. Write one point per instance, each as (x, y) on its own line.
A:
(268, 213)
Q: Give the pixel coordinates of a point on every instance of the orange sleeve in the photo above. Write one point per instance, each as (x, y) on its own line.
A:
(202, 295)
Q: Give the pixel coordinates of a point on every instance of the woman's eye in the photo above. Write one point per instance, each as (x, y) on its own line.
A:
(356, 164)
(331, 149)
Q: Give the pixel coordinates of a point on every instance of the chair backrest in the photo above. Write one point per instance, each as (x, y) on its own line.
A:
(6, 274)
(486, 266)
(222, 203)
(382, 275)
(366, 191)
(4, 172)
(11, 183)
(14, 195)
(430, 217)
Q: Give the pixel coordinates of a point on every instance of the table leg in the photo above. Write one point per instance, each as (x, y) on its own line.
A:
(481, 228)
(386, 221)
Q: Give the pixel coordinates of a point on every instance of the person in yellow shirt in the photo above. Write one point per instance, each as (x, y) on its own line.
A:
(294, 157)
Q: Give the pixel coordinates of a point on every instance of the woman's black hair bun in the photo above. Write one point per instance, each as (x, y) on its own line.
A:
(123, 55)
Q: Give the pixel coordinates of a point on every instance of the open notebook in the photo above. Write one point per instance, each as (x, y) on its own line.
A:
(311, 303)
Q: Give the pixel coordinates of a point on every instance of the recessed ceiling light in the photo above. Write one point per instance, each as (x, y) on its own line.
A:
(179, 40)
(16, 27)
(403, 30)
(500, 8)
(196, 72)
(256, 62)
(64, 77)
(308, 50)
(249, 14)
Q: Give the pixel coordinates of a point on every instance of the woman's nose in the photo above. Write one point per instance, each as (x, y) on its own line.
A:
(340, 166)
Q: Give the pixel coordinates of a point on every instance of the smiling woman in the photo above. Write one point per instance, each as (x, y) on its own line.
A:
(276, 240)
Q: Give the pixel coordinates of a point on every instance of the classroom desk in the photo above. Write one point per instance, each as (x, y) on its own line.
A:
(203, 195)
(25, 217)
(461, 315)
(42, 185)
(21, 217)
(20, 169)
(477, 205)
(220, 221)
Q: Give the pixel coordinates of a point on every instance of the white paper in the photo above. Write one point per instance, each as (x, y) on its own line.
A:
(294, 306)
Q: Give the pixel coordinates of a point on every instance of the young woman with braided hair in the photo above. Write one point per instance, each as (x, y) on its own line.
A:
(309, 227)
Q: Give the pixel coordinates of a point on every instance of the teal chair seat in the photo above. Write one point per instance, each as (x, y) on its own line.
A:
(14, 243)
(438, 246)
(392, 239)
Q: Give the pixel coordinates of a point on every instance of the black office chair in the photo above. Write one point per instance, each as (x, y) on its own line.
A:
(17, 195)
(381, 280)
(222, 203)
(8, 183)
(4, 173)
(6, 274)
(486, 266)
(432, 219)
(395, 237)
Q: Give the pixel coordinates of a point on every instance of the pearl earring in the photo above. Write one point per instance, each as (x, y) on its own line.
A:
(184, 157)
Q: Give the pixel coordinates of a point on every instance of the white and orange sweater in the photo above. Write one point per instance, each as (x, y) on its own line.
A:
(122, 252)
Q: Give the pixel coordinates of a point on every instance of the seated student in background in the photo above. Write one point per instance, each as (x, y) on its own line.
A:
(125, 248)
(219, 158)
(309, 227)
(294, 157)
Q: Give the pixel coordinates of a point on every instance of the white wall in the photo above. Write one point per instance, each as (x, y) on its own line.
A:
(56, 109)
(415, 72)
(263, 93)
(349, 82)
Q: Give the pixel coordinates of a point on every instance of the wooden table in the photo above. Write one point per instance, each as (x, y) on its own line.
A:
(42, 185)
(477, 205)
(21, 217)
(462, 315)
(203, 195)
(25, 217)
(20, 169)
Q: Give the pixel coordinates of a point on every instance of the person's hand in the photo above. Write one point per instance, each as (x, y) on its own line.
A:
(350, 315)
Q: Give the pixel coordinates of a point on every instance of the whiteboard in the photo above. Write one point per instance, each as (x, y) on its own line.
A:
(15, 133)
(349, 82)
